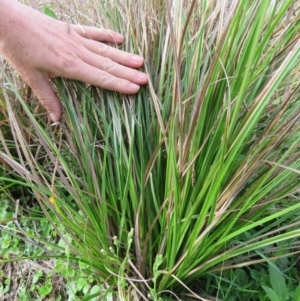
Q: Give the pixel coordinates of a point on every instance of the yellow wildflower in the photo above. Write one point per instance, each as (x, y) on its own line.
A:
(52, 200)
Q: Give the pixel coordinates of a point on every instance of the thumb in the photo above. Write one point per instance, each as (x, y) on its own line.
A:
(41, 87)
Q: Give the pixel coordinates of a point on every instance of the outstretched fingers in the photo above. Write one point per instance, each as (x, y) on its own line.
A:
(103, 79)
(119, 56)
(110, 66)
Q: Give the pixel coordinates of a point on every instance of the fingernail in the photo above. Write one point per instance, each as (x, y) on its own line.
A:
(137, 59)
(133, 87)
(143, 77)
(54, 117)
(119, 38)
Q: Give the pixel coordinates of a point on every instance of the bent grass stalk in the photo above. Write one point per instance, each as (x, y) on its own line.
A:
(204, 154)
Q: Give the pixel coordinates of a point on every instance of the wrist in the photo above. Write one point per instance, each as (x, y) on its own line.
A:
(12, 16)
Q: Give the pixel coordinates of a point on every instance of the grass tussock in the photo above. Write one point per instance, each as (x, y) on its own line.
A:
(198, 172)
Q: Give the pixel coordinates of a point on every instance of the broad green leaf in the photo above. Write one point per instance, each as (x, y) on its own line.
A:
(45, 289)
(86, 288)
(81, 282)
(271, 294)
(278, 282)
(95, 290)
(37, 276)
(49, 12)
(296, 295)
(241, 277)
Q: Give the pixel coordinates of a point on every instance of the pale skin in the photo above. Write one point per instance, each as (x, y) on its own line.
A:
(41, 48)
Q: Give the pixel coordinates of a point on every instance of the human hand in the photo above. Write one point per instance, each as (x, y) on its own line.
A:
(42, 48)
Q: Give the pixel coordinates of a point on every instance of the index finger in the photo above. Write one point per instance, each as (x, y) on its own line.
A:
(99, 34)
(116, 55)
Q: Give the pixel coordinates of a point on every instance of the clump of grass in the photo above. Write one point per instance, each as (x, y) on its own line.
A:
(199, 171)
